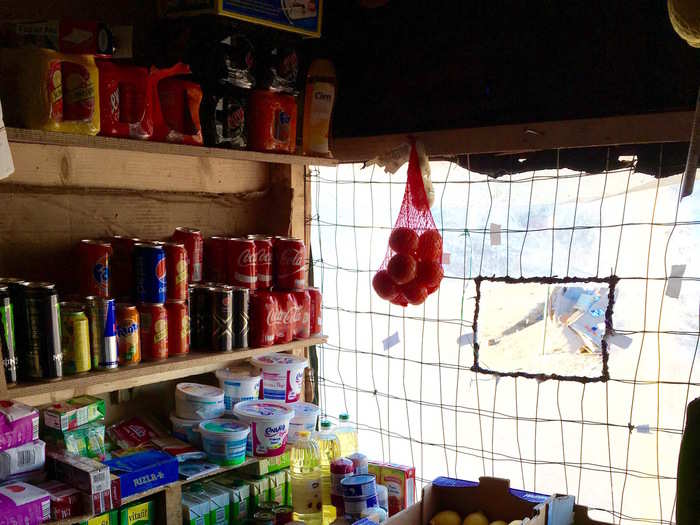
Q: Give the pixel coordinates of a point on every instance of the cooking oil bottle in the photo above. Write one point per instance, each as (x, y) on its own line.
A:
(330, 450)
(305, 473)
(347, 435)
(318, 106)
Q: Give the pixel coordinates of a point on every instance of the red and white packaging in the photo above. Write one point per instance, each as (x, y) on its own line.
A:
(132, 432)
(316, 315)
(66, 501)
(282, 319)
(301, 316)
(263, 311)
(121, 264)
(215, 260)
(290, 263)
(85, 474)
(19, 424)
(125, 101)
(240, 268)
(194, 245)
(176, 104)
(263, 261)
(400, 482)
(24, 503)
(97, 503)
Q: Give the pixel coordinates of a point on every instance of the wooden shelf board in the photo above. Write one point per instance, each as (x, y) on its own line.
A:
(151, 492)
(33, 136)
(100, 382)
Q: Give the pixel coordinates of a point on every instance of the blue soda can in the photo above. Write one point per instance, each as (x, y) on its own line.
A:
(149, 272)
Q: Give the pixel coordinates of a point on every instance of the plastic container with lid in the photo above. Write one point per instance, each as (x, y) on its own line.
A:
(238, 384)
(224, 441)
(269, 426)
(186, 430)
(282, 376)
(305, 417)
(195, 401)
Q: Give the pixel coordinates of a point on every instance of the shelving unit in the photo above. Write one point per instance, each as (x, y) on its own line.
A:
(69, 187)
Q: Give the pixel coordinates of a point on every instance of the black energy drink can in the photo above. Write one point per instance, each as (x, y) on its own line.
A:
(222, 319)
(240, 322)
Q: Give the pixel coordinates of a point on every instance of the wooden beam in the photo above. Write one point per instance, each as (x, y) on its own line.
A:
(607, 131)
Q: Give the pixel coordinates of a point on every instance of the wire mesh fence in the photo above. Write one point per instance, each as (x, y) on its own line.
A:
(405, 375)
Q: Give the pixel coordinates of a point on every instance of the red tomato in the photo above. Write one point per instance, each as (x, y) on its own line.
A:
(403, 240)
(384, 285)
(415, 292)
(429, 273)
(430, 246)
(402, 268)
(399, 300)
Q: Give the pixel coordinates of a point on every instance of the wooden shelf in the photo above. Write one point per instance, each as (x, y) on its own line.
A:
(157, 490)
(99, 382)
(32, 136)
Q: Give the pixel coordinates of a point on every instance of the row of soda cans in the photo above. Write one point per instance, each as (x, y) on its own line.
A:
(156, 272)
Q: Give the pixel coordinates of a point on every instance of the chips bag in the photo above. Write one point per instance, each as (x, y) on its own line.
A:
(412, 268)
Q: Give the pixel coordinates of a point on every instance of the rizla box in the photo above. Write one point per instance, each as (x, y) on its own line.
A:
(195, 509)
(239, 494)
(137, 514)
(73, 413)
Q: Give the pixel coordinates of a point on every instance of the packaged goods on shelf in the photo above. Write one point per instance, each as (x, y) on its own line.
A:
(86, 440)
(263, 466)
(239, 494)
(178, 449)
(142, 471)
(24, 503)
(400, 481)
(219, 501)
(69, 415)
(135, 431)
(282, 376)
(108, 518)
(137, 514)
(21, 459)
(269, 426)
(125, 101)
(85, 474)
(279, 487)
(50, 91)
(195, 401)
(194, 469)
(176, 104)
(239, 384)
(19, 424)
(99, 502)
(66, 501)
(195, 508)
(224, 441)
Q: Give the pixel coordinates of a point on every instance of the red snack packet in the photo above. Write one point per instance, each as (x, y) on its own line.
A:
(133, 432)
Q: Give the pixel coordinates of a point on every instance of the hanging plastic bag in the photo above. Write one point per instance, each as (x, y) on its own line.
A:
(412, 268)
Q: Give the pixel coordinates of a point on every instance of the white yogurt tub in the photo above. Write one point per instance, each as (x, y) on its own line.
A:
(195, 401)
(224, 441)
(282, 376)
(305, 417)
(186, 430)
(238, 384)
(269, 426)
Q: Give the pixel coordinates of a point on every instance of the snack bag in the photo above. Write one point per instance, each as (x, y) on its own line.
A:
(412, 268)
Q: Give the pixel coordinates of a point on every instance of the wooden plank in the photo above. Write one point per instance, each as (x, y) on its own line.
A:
(99, 382)
(628, 129)
(173, 505)
(72, 166)
(110, 143)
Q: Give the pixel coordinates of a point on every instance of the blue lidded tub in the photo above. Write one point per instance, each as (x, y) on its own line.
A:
(224, 441)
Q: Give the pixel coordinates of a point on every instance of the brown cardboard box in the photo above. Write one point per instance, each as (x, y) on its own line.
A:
(492, 496)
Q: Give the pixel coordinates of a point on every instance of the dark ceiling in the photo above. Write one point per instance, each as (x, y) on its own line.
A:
(413, 66)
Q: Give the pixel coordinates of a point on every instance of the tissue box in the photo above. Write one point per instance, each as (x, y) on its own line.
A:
(19, 424)
(24, 503)
(73, 413)
(142, 471)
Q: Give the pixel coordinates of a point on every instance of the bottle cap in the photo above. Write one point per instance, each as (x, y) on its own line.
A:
(344, 416)
(304, 434)
(325, 424)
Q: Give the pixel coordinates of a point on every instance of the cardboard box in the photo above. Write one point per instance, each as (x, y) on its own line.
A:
(137, 514)
(400, 483)
(297, 17)
(24, 503)
(264, 466)
(66, 501)
(195, 509)
(109, 518)
(73, 413)
(98, 503)
(143, 471)
(86, 440)
(258, 489)
(85, 474)
(219, 503)
(239, 494)
(19, 424)
(492, 496)
(278, 487)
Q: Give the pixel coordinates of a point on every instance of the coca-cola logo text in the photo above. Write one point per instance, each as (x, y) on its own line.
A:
(263, 256)
(292, 257)
(246, 258)
(291, 315)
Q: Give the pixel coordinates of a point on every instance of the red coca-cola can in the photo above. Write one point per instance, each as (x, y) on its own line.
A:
(316, 317)
(290, 264)
(215, 260)
(283, 318)
(153, 331)
(121, 266)
(178, 328)
(194, 245)
(263, 311)
(263, 261)
(302, 315)
(240, 269)
(94, 259)
(175, 271)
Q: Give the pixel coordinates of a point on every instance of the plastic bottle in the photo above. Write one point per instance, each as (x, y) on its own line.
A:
(305, 472)
(347, 435)
(330, 450)
(318, 106)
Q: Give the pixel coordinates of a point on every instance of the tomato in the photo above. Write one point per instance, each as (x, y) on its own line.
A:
(399, 300)
(403, 240)
(429, 273)
(384, 285)
(402, 268)
(430, 246)
(415, 292)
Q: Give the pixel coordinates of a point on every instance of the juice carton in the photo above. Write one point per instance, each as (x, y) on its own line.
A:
(73, 413)
(195, 509)
(278, 487)
(239, 494)
(219, 504)
(108, 518)
(400, 482)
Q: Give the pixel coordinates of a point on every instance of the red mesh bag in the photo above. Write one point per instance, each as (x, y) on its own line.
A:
(412, 268)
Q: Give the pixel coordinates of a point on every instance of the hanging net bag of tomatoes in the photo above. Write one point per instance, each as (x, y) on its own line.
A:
(412, 267)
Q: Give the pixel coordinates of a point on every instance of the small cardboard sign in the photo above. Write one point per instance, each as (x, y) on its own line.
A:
(390, 341)
(495, 231)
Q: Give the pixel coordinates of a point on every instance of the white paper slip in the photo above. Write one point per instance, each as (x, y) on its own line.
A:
(390, 341)
(465, 339)
(445, 258)
(673, 288)
(7, 167)
(643, 429)
(495, 230)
